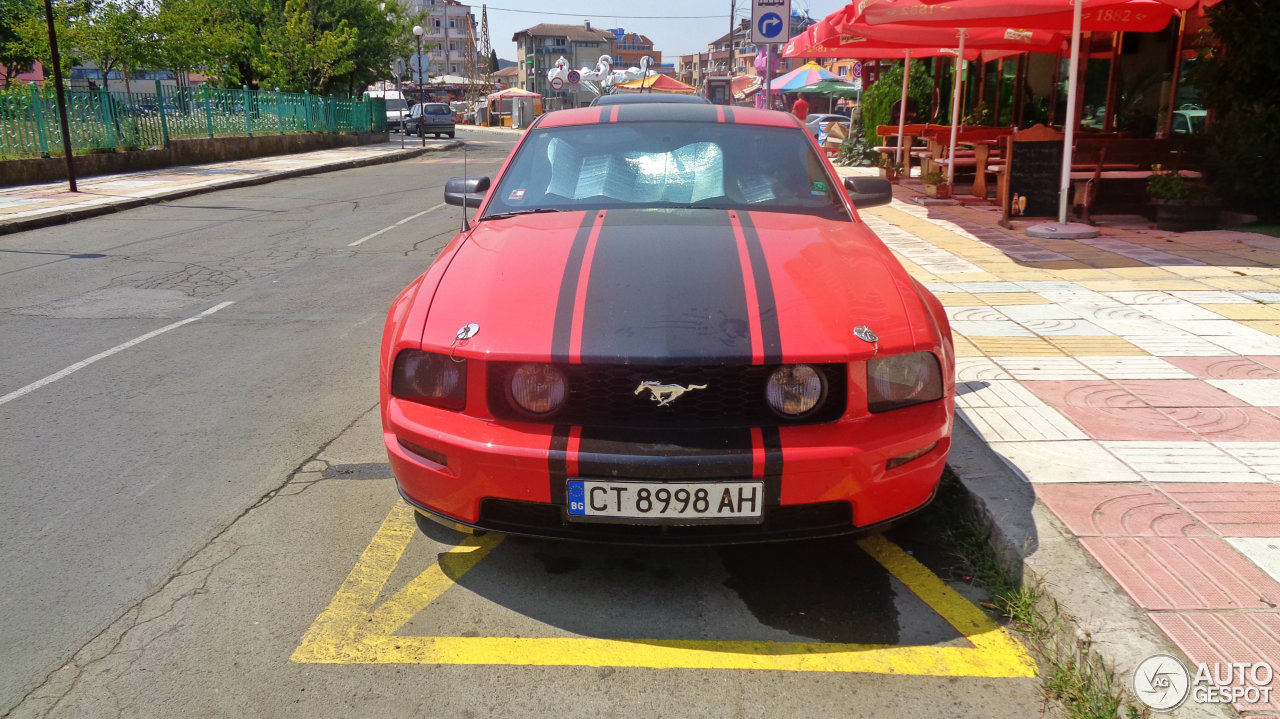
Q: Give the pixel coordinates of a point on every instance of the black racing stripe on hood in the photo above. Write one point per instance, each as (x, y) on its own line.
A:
(728, 114)
(558, 462)
(772, 464)
(562, 328)
(673, 455)
(666, 287)
(770, 335)
(662, 112)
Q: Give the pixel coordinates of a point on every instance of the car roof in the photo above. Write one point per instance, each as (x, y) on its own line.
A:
(649, 97)
(667, 112)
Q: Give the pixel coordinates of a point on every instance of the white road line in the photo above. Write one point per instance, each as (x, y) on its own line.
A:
(410, 218)
(103, 355)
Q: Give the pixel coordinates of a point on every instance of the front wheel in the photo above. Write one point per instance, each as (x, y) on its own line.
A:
(451, 136)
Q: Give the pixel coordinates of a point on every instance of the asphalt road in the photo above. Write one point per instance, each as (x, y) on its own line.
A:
(197, 518)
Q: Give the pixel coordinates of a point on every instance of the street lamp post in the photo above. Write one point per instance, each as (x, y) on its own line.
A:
(417, 35)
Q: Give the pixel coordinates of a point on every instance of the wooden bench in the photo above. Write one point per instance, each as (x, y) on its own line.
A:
(1097, 161)
(889, 150)
(1125, 161)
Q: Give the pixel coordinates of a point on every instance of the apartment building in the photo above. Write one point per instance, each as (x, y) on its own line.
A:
(538, 48)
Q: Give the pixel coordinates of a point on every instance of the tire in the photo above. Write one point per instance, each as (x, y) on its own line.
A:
(451, 136)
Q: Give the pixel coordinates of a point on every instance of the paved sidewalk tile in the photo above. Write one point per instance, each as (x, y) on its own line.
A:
(1183, 573)
(1220, 638)
(1231, 510)
(1262, 551)
(1064, 461)
(1134, 380)
(1128, 510)
(1229, 367)
(1182, 462)
(1227, 424)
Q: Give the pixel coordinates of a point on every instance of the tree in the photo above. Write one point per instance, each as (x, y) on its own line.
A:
(493, 61)
(213, 36)
(15, 55)
(1240, 88)
(302, 50)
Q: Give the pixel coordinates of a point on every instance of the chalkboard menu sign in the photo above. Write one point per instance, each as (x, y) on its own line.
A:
(1035, 175)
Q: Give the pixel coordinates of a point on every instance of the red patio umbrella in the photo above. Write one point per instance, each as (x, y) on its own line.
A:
(1076, 15)
(990, 39)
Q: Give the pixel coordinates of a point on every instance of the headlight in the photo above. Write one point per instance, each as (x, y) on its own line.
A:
(538, 388)
(430, 378)
(902, 380)
(795, 390)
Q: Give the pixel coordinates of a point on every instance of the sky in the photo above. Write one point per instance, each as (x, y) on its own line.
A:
(667, 22)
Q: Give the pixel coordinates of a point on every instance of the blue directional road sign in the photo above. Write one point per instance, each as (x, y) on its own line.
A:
(770, 21)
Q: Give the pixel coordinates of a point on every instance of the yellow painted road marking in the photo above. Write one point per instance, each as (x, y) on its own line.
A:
(356, 629)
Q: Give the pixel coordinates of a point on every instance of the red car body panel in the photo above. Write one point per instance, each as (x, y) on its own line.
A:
(669, 288)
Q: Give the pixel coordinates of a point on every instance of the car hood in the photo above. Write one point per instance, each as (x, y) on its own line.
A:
(673, 286)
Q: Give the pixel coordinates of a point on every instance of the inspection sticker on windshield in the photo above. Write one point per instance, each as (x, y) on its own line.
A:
(516, 195)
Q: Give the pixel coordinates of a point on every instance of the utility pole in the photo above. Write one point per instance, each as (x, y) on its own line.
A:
(732, 23)
(62, 97)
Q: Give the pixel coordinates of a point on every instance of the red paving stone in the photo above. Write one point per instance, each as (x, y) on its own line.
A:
(1229, 367)
(1083, 394)
(1228, 424)
(1181, 573)
(1117, 510)
(1232, 510)
(1180, 393)
(1128, 423)
(1236, 637)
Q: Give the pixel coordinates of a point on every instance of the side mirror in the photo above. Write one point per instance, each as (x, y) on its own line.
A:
(868, 191)
(465, 191)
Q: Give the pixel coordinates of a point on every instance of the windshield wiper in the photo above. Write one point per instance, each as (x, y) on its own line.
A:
(513, 213)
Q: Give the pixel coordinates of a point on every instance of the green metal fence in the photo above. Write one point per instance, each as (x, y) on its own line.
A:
(105, 121)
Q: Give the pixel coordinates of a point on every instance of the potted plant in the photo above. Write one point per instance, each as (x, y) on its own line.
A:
(889, 169)
(936, 185)
(1181, 206)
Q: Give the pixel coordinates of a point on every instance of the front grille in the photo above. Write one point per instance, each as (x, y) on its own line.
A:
(605, 396)
(795, 521)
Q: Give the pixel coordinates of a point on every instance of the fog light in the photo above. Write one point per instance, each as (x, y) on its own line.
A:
(913, 454)
(795, 390)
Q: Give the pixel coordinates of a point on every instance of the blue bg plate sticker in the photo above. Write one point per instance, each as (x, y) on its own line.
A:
(577, 498)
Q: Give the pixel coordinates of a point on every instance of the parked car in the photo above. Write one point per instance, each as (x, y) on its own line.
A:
(1189, 120)
(429, 118)
(818, 122)
(667, 327)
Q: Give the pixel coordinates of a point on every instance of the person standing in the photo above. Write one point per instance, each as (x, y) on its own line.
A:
(801, 108)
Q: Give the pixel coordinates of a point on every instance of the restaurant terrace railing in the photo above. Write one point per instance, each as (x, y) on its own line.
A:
(107, 121)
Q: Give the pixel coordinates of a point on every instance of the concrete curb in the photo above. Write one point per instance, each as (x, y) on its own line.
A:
(1029, 538)
(59, 217)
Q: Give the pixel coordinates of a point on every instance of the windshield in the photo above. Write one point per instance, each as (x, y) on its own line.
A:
(667, 164)
(436, 109)
(396, 103)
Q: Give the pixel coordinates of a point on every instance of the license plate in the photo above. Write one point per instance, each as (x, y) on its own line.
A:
(684, 502)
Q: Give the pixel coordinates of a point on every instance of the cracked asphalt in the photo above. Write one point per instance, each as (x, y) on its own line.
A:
(123, 478)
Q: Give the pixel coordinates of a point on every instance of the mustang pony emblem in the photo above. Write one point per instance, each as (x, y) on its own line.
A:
(665, 394)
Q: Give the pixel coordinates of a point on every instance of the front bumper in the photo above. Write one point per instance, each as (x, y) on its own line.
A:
(821, 480)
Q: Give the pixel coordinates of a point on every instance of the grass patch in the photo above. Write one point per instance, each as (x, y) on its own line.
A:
(1260, 228)
(1075, 677)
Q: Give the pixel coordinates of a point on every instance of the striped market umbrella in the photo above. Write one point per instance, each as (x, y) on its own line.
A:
(802, 76)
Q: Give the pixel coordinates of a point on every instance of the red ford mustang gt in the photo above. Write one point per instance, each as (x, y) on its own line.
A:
(666, 325)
